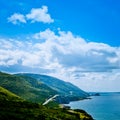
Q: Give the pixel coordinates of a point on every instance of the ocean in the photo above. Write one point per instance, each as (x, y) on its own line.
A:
(103, 107)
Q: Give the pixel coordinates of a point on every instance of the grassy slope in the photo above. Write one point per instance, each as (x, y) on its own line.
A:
(26, 87)
(7, 95)
(13, 107)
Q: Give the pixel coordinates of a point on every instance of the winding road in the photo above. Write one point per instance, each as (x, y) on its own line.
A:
(50, 99)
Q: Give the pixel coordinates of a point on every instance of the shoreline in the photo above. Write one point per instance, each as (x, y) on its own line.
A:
(81, 112)
(67, 107)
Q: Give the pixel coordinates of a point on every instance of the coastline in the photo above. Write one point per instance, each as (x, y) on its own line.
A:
(82, 113)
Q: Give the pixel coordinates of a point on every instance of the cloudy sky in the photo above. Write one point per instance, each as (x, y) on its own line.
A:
(74, 40)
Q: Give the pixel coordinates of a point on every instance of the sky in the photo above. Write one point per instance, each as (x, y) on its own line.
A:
(74, 40)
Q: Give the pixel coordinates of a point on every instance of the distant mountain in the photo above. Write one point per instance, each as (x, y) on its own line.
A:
(26, 87)
(65, 89)
(13, 107)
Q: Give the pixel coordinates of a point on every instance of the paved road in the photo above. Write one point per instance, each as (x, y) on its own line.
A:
(50, 99)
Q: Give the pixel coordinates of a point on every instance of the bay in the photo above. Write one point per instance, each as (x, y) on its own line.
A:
(103, 107)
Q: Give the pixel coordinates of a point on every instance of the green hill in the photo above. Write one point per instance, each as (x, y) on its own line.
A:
(13, 107)
(65, 89)
(26, 87)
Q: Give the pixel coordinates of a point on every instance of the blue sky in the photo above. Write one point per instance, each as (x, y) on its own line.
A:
(74, 40)
(96, 20)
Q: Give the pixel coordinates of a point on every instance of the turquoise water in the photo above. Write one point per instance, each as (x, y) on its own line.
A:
(104, 107)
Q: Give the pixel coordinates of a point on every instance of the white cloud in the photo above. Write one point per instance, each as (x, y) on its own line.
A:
(104, 81)
(17, 18)
(40, 15)
(35, 15)
(66, 56)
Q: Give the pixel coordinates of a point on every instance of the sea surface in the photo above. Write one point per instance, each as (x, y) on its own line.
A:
(103, 107)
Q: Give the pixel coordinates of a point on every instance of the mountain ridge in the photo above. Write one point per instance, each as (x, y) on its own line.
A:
(49, 80)
(38, 88)
(67, 91)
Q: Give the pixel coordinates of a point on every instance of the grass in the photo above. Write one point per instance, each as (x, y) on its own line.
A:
(26, 87)
(12, 107)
